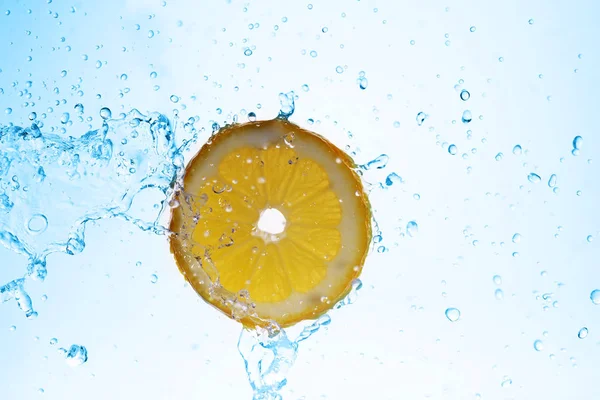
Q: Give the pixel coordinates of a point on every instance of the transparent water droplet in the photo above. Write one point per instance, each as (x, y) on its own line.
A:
(499, 156)
(472, 29)
(41, 391)
(105, 113)
(421, 117)
(465, 95)
(363, 83)
(538, 345)
(467, 117)
(150, 34)
(8, 111)
(517, 150)
(534, 178)
(577, 142)
(339, 69)
(77, 355)
(417, 196)
(33, 116)
(498, 294)
(251, 116)
(53, 341)
(153, 278)
(506, 382)
(247, 51)
(552, 181)
(174, 99)
(595, 296)
(65, 118)
(37, 223)
(286, 104)
(123, 77)
(79, 108)
(453, 314)
(412, 228)
(392, 179)
(516, 238)
(583, 332)
(12, 328)
(378, 163)
(497, 279)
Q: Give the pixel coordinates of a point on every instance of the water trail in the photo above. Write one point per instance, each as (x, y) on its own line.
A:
(52, 185)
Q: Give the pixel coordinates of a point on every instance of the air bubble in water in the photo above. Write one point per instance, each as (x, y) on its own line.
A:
(467, 116)
(595, 296)
(465, 95)
(517, 150)
(77, 355)
(472, 29)
(339, 69)
(538, 345)
(421, 117)
(37, 223)
(452, 149)
(534, 178)
(105, 113)
(583, 332)
(453, 314)
(412, 228)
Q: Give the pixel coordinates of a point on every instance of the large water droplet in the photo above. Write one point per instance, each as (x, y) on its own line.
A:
(412, 228)
(534, 178)
(583, 332)
(452, 149)
(467, 116)
(577, 142)
(595, 296)
(77, 355)
(538, 345)
(453, 314)
(105, 113)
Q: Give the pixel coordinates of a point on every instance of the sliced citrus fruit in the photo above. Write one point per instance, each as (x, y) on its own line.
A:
(272, 224)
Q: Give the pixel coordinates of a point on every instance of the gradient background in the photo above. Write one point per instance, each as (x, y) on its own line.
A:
(160, 341)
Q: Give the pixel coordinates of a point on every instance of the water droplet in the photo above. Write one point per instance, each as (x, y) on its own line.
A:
(465, 95)
(379, 162)
(251, 116)
(534, 178)
(517, 150)
(363, 83)
(174, 99)
(153, 278)
(53, 341)
(105, 113)
(247, 51)
(37, 223)
(41, 390)
(552, 181)
(77, 355)
(452, 149)
(538, 345)
(417, 196)
(530, 21)
(453, 314)
(324, 30)
(150, 34)
(499, 294)
(396, 124)
(501, 59)
(583, 332)
(8, 111)
(577, 142)
(65, 118)
(12, 328)
(123, 77)
(516, 238)
(595, 296)
(499, 156)
(467, 116)
(412, 228)
(305, 88)
(339, 69)
(33, 116)
(392, 178)
(421, 117)
(472, 29)
(506, 382)
(497, 279)
(286, 104)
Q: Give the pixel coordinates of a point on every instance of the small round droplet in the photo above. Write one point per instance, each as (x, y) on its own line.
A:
(123, 77)
(538, 345)
(595, 296)
(472, 29)
(499, 294)
(530, 21)
(534, 178)
(248, 52)
(467, 116)
(53, 341)
(12, 328)
(417, 196)
(497, 279)
(421, 117)
(577, 142)
(499, 156)
(412, 229)
(465, 95)
(516, 238)
(153, 278)
(174, 99)
(583, 332)
(339, 69)
(105, 113)
(452, 149)
(453, 314)
(363, 83)
(517, 150)
(150, 34)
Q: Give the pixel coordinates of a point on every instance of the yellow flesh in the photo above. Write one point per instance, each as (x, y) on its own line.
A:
(290, 276)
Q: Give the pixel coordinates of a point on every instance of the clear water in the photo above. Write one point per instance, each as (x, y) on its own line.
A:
(474, 128)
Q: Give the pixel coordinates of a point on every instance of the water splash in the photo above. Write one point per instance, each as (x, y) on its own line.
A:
(286, 102)
(52, 185)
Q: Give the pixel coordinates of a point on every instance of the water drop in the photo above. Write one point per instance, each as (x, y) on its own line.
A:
(65, 118)
(33, 116)
(53, 341)
(501, 59)
(472, 29)
(517, 150)
(506, 383)
(37, 223)
(417, 196)
(247, 51)
(305, 88)
(497, 279)
(174, 99)
(8, 111)
(123, 77)
(150, 34)
(153, 278)
(251, 116)
(363, 83)
(552, 181)
(590, 238)
(421, 117)
(12, 328)
(453, 314)
(466, 117)
(465, 95)
(339, 69)
(105, 113)
(595, 296)
(534, 178)
(538, 345)
(577, 142)
(392, 178)
(325, 29)
(583, 332)
(379, 162)
(412, 228)
(77, 355)
(396, 124)
(516, 238)
(498, 294)
(530, 21)
(499, 156)
(452, 149)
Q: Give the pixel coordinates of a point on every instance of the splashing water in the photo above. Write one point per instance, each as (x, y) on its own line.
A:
(51, 186)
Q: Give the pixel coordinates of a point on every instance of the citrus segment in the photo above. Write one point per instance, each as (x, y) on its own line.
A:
(226, 250)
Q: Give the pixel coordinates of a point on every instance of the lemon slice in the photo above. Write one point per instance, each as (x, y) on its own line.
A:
(272, 224)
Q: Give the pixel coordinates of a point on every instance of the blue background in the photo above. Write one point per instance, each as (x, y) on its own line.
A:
(533, 83)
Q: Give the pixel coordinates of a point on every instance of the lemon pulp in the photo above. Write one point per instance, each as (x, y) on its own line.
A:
(253, 271)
